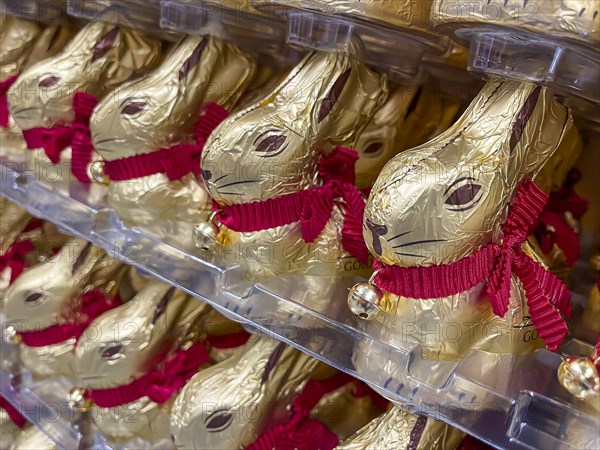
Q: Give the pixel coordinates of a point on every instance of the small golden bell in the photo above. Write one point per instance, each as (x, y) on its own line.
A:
(78, 400)
(95, 172)
(579, 376)
(11, 336)
(364, 300)
(206, 234)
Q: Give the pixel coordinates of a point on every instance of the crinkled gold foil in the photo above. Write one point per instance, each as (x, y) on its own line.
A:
(159, 111)
(17, 38)
(272, 148)
(8, 430)
(231, 403)
(125, 344)
(32, 437)
(398, 429)
(576, 20)
(13, 218)
(96, 60)
(423, 224)
(589, 325)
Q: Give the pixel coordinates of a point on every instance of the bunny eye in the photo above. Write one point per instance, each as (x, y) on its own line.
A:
(463, 195)
(218, 421)
(34, 298)
(272, 145)
(373, 149)
(112, 352)
(49, 81)
(133, 108)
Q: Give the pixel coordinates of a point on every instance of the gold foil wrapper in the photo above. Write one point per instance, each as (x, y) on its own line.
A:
(231, 403)
(589, 325)
(13, 219)
(424, 221)
(159, 111)
(272, 148)
(31, 437)
(574, 20)
(398, 429)
(8, 430)
(17, 39)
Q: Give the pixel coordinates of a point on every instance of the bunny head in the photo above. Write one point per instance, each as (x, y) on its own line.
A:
(272, 148)
(96, 60)
(42, 295)
(17, 37)
(226, 405)
(129, 341)
(442, 201)
(160, 110)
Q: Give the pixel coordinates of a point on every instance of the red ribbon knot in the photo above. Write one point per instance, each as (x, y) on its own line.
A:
(4, 112)
(159, 385)
(77, 135)
(12, 412)
(311, 207)
(15, 258)
(176, 161)
(547, 296)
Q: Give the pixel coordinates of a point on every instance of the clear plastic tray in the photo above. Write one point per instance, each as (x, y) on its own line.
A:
(45, 11)
(571, 69)
(394, 50)
(511, 402)
(254, 33)
(143, 15)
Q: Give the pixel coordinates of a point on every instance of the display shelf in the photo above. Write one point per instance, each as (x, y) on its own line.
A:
(508, 401)
(45, 11)
(143, 15)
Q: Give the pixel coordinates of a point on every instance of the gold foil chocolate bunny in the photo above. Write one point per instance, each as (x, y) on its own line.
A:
(133, 358)
(52, 100)
(147, 139)
(283, 188)
(231, 403)
(436, 222)
(22, 43)
(398, 429)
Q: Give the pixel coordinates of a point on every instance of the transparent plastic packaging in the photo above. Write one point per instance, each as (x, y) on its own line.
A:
(523, 407)
(143, 15)
(44, 11)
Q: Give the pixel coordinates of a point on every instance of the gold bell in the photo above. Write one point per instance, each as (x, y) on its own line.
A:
(95, 172)
(11, 336)
(364, 300)
(206, 234)
(78, 401)
(579, 376)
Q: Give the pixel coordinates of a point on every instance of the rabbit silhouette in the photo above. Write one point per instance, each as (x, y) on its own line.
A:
(441, 202)
(227, 405)
(158, 112)
(273, 149)
(399, 429)
(128, 342)
(96, 60)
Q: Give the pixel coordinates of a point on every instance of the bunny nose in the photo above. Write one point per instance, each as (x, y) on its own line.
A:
(206, 174)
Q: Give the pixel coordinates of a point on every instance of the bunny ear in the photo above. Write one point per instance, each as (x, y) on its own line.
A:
(162, 305)
(333, 95)
(105, 44)
(523, 117)
(193, 60)
(272, 362)
(81, 258)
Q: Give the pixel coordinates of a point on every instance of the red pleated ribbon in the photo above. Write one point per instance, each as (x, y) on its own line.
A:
(301, 432)
(158, 385)
(312, 207)
(15, 258)
(12, 412)
(4, 112)
(176, 161)
(553, 227)
(547, 296)
(93, 304)
(77, 135)
(227, 341)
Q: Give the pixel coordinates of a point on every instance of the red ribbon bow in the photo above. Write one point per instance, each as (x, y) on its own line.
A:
(547, 296)
(4, 112)
(12, 412)
(93, 304)
(176, 161)
(158, 385)
(15, 258)
(77, 135)
(312, 207)
(553, 227)
(300, 432)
